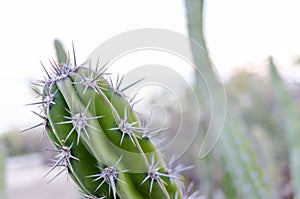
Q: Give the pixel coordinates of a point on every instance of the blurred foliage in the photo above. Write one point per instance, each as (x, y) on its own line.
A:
(259, 148)
(17, 143)
(253, 96)
(252, 93)
(2, 169)
(251, 160)
(291, 124)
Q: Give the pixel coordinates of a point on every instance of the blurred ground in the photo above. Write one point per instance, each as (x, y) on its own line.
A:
(24, 180)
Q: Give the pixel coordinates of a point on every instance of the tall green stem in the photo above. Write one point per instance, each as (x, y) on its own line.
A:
(2, 169)
(292, 125)
(240, 158)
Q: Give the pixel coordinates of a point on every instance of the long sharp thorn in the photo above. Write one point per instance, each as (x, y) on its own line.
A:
(56, 176)
(99, 185)
(87, 107)
(70, 166)
(93, 128)
(37, 92)
(117, 81)
(134, 96)
(132, 140)
(40, 84)
(97, 63)
(33, 127)
(41, 116)
(52, 150)
(35, 103)
(78, 135)
(54, 67)
(45, 70)
(57, 66)
(70, 133)
(151, 185)
(99, 75)
(134, 83)
(145, 179)
(111, 83)
(104, 68)
(113, 186)
(123, 134)
(120, 82)
(117, 163)
(55, 165)
(134, 103)
(86, 133)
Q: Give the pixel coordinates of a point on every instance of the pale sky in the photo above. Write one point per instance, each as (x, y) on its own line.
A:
(240, 33)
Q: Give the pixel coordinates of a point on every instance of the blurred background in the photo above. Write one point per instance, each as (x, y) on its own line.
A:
(253, 46)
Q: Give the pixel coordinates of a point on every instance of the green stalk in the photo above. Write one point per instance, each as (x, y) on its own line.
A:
(249, 177)
(292, 125)
(236, 151)
(98, 137)
(2, 169)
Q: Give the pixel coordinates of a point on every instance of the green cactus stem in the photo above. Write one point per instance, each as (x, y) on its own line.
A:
(291, 121)
(2, 169)
(99, 139)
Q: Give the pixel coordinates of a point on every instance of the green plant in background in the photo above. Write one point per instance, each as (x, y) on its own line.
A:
(2, 169)
(100, 141)
(291, 125)
(247, 177)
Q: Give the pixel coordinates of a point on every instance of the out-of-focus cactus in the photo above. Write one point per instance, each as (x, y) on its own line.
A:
(250, 180)
(240, 158)
(2, 172)
(98, 137)
(292, 125)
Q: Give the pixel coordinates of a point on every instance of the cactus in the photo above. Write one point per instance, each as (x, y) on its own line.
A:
(2, 168)
(291, 124)
(248, 178)
(100, 141)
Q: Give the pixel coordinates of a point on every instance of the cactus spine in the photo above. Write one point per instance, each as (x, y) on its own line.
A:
(99, 139)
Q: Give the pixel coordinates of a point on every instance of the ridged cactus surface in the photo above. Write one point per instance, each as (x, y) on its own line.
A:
(99, 139)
